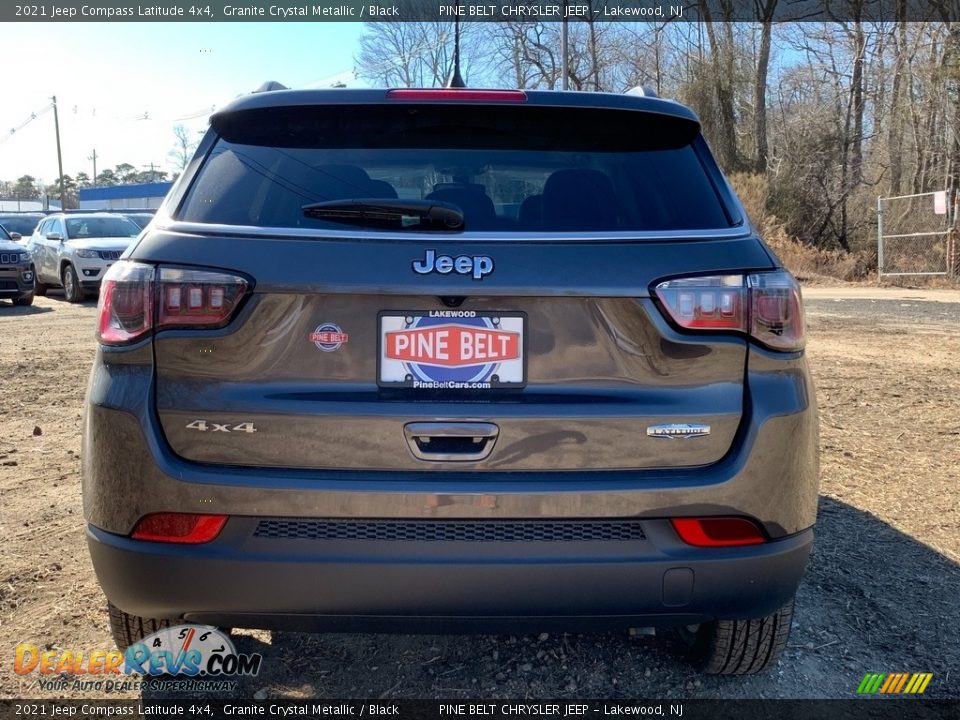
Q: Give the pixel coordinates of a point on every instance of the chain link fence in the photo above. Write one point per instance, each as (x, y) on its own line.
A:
(916, 234)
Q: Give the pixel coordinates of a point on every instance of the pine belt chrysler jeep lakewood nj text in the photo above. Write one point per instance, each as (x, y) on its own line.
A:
(447, 359)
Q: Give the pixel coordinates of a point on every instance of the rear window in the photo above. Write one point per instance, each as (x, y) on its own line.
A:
(510, 169)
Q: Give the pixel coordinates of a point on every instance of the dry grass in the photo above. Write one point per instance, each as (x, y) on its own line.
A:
(805, 261)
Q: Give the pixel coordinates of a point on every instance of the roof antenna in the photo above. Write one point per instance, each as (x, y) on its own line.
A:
(456, 80)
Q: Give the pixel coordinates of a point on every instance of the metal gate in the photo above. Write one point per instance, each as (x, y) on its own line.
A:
(915, 234)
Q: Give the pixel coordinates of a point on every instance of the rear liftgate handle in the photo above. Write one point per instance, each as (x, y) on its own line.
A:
(451, 441)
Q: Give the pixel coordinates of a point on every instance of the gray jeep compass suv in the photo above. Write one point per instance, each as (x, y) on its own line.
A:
(453, 359)
(16, 275)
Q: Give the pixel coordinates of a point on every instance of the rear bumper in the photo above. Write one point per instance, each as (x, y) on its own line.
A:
(244, 580)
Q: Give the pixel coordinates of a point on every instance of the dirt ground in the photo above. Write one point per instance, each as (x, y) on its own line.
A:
(882, 593)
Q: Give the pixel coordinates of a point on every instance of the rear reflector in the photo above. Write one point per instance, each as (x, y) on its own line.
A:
(457, 95)
(184, 528)
(718, 531)
(766, 305)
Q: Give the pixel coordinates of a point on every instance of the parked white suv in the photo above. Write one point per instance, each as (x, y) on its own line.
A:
(75, 250)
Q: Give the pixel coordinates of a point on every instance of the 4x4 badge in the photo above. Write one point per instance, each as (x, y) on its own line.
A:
(475, 265)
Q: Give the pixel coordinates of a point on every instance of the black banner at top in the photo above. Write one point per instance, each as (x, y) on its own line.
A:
(658, 11)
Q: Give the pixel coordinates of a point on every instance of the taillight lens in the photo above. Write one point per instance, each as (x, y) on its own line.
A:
(765, 305)
(125, 309)
(718, 531)
(183, 528)
(135, 298)
(197, 297)
(776, 310)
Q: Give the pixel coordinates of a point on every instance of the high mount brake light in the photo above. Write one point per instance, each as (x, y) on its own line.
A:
(765, 305)
(718, 531)
(461, 95)
(135, 298)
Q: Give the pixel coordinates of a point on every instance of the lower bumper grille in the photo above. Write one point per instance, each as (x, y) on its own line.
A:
(451, 530)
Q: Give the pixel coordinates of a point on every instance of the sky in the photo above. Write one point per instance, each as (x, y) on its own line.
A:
(122, 87)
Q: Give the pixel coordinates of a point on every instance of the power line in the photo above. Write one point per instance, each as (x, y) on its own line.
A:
(33, 116)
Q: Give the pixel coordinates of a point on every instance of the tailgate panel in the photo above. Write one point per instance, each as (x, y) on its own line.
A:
(600, 371)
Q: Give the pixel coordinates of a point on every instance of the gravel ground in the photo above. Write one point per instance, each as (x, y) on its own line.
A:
(882, 593)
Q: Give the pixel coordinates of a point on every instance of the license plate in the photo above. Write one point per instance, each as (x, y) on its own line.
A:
(452, 350)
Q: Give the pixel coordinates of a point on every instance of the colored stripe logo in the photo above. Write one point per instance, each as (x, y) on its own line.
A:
(894, 683)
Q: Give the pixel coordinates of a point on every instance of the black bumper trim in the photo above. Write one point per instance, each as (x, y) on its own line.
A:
(242, 580)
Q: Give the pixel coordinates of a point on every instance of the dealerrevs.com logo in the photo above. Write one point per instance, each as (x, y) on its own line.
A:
(189, 650)
(186, 657)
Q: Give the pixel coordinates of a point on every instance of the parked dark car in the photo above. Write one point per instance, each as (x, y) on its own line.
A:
(453, 359)
(16, 275)
(20, 224)
(142, 219)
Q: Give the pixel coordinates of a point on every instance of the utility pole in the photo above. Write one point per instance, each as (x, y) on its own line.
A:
(56, 126)
(153, 176)
(94, 158)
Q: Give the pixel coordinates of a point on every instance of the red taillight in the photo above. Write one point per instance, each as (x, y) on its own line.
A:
(455, 94)
(197, 297)
(125, 309)
(718, 531)
(135, 298)
(185, 528)
(776, 310)
(765, 305)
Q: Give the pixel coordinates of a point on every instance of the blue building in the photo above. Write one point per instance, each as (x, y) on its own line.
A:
(124, 197)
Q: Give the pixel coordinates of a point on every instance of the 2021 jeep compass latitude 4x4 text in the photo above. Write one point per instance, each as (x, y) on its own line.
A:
(453, 359)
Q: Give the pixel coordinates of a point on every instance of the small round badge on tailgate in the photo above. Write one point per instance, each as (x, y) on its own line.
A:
(328, 337)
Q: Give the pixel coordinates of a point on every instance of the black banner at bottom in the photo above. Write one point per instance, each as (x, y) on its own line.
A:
(489, 709)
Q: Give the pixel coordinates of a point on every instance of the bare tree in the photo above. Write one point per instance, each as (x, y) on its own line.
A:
(416, 54)
(765, 10)
(183, 148)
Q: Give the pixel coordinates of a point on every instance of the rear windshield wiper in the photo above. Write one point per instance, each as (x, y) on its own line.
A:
(389, 213)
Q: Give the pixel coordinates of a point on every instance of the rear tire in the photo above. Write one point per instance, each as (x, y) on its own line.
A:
(741, 647)
(129, 629)
(71, 285)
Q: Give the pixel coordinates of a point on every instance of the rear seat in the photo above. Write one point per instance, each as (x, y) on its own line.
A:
(577, 199)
